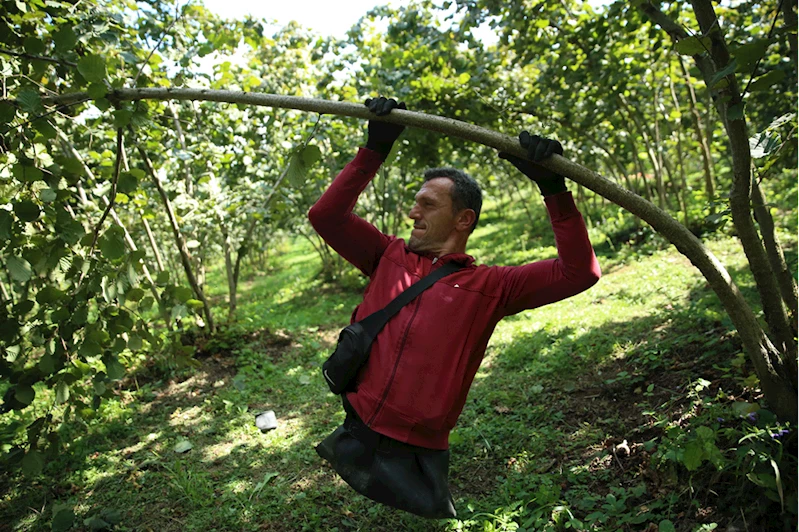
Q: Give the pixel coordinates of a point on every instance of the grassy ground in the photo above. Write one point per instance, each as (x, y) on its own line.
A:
(569, 421)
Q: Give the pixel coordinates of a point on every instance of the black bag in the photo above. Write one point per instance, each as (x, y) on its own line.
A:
(397, 474)
(355, 340)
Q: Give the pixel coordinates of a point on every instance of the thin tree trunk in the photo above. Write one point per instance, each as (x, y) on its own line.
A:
(82, 195)
(702, 139)
(656, 168)
(774, 250)
(231, 280)
(681, 194)
(187, 180)
(658, 147)
(645, 188)
(777, 380)
(185, 256)
(150, 237)
(789, 15)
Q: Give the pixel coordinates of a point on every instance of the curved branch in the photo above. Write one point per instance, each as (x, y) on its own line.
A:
(770, 365)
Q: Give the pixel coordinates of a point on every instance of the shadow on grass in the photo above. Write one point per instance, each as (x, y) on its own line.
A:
(515, 441)
(551, 408)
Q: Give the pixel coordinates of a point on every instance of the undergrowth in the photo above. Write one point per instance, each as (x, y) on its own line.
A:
(628, 407)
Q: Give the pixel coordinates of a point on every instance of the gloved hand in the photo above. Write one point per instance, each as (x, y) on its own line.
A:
(382, 134)
(538, 149)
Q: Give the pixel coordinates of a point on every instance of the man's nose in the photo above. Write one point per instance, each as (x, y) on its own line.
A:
(414, 214)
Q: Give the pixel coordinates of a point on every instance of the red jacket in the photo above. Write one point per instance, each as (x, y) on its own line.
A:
(422, 363)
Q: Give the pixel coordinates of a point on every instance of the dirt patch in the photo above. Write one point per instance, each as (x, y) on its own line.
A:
(475, 477)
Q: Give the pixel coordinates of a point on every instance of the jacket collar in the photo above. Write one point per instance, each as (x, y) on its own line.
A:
(461, 258)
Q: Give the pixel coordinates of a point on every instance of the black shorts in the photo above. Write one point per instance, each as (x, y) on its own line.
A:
(391, 472)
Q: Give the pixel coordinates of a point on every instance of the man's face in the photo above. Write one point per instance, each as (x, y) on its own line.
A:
(433, 216)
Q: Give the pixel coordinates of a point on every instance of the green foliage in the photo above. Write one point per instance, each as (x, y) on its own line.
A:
(82, 325)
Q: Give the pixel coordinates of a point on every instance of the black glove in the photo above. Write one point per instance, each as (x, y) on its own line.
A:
(382, 134)
(538, 149)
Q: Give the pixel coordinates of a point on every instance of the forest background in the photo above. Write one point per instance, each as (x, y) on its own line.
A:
(161, 285)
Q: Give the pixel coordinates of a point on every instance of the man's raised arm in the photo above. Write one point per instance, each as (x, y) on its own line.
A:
(576, 268)
(355, 239)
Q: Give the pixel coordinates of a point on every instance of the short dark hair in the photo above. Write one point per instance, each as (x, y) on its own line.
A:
(466, 193)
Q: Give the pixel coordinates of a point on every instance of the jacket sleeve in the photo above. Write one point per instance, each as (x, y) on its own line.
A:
(575, 270)
(355, 239)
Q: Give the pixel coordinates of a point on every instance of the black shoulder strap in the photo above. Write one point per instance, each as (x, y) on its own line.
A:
(377, 320)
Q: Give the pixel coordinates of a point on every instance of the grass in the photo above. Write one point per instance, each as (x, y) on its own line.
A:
(566, 417)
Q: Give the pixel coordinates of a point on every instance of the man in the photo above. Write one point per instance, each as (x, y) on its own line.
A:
(393, 446)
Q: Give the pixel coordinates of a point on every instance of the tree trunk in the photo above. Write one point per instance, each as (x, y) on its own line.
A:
(150, 237)
(187, 180)
(231, 281)
(701, 138)
(774, 250)
(776, 382)
(656, 167)
(741, 193)
(82, 194)
(789, 14)
(681, 194)
(185, 256)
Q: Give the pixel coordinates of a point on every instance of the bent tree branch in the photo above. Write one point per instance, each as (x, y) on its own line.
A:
(770, 364)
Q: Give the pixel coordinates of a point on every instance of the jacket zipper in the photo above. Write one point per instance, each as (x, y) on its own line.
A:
(399, 356)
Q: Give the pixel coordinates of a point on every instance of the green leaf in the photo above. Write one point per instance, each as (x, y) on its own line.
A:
(310, 155)
(7, 112)
(183, 446)
(47, 195)
(178, 311)
(692, 458)
(146, 303)
(33, 463)
(24, 394)
(48, 294)
(99, 388)
(65, 39)
(45, 129)
(27, 211)
(666, 526)
(295, 174)
(183, 294)
(19, 269)
(112, 244)
(30, 101)
(723, 73)
(92, 68)
(27, 173)
(122, 117)
(135, 294)
(63, 520)
(765, 82)
(46, 364)
(134, 342)
(705, 433)
(33, 45)
(114, 368)
(194, 304)
(62, 392)
(96, 522)
(96, 91)
(455, 438)
(6, 221)
(692, 45)
(127, 183)
(749, 53)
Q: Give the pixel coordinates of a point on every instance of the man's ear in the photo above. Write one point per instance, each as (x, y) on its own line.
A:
(465, 220)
